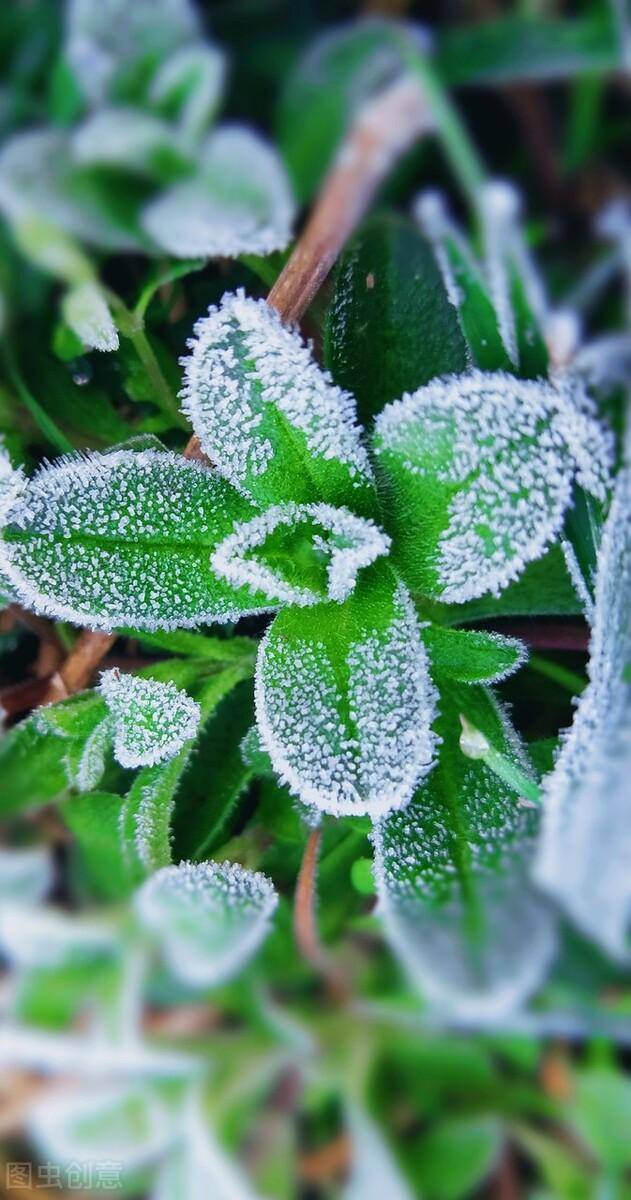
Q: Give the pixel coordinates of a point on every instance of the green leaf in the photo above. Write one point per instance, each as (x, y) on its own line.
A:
(238, 202)
(601, 1115)
(209, 918)
(187, 87)
(130, 140)
(465, 284)
(544, 589)
(85, 760)
(125, 538)
(272, 422)
(476, 474)
(472, 656)
(215, 779)
(86, 313)
(94, 819)
(456, 1156)
(76, 717)
(32, 766)
(451, 870)
(152, 721)
(390, 325)
(300, 554)
(515, 48)
(344, 701)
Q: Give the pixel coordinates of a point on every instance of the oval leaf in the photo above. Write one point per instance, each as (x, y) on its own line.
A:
(152, 721)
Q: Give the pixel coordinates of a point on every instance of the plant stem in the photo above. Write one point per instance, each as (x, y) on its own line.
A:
(305, 925)
(570, 680)
(131, 326)
(45, 423)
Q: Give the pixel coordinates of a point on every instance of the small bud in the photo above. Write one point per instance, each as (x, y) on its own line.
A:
(472, 742)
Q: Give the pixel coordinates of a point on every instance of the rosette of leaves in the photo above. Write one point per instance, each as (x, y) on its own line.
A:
(355, 543)
(141, 167)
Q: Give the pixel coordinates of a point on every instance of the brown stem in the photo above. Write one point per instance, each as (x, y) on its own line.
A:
(384, 129)
(84, 658)
(305, 924)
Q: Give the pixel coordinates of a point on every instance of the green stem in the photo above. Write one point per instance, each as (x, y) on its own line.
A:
(131, 326)
(571, 680)
(41, 418)
(464, 159)
(475, 745)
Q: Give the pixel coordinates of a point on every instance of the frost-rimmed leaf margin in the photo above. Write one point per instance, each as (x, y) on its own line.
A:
(345, 702)
(470, 461)
(174, 584)
(584, 854)
(152, 720)
(364, 543)
(272, 421)
(210, 918)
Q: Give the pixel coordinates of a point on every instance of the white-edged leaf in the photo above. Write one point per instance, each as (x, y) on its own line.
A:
(584, 858)
(124, 539)
(85, 311)
(26, 874)
(300, 554)
(40, 180)
(12, 482)
(273, 422)
(48, 937)
(344, 700)
(105, 38)
(131, 140)
(473, 655)
(239, 202)
(374, 1174)
(127, 1125)
(209, 918)
(84, 760)
(152, 720)
(452, 876)
(38, 1050)
(199, 1168)
(188, 86)
(477, 473)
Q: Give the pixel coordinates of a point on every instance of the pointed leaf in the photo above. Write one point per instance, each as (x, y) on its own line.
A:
(300, 554)
(473, 656)
(187, 87)
(94, 819)
(152, 721)
(87, 315)
(390, 325)
(477, 473)
(210, 918)
(451, 874)
(239, 202)
(344, 701)
(130, 140)
(124, 538)
(85, 760)
(584, 858)
(273, 423)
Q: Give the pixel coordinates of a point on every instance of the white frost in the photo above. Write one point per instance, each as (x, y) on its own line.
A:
(210, 918)
(152, 720)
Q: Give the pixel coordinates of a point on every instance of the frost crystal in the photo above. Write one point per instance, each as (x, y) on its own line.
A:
(209, 917)
(25, 875)
(347, 721)
(152, 720)
(275, 424)
(240, 201)
(584, 856)
(487, 461)
(339, 543)
(124, 538)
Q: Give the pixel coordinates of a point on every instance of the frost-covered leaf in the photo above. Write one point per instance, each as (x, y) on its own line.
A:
(477, 473)
(40, 180)
(107, 39)
(473, 656)
(374, 1174)
(26, 874)
(76, 717)
(584, 858)
(239, 201)
(11, 483)
(273, 423)
(517, 290)
(452, 875)
(125, 538)
(124, 1124)
(390, 327)
(152, 721)
(344, 701)
(84, 761)
(465, 283)
(188, 86)
(199, 1168)
(48, 937)
(131, 140)
(210, 918)
(86, 313)
(300, 554)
